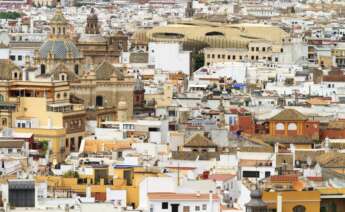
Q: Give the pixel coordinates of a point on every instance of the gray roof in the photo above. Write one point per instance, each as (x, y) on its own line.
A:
(59, 48)
(21, 184)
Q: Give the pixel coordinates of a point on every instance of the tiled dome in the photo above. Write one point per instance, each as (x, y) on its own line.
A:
(59, 49)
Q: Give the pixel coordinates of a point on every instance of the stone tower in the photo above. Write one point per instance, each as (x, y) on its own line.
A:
(189, 12)
(92, 26)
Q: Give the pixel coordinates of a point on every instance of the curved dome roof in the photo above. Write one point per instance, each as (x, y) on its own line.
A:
(59, 49)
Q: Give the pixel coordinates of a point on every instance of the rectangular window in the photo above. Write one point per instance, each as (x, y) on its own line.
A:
(197, 208)
(204, 207)
(13, 57)
(20, 58)
(250, 174)
(165, 205)
(186, 209)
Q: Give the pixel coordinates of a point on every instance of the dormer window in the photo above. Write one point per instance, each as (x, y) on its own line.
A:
(63, 77)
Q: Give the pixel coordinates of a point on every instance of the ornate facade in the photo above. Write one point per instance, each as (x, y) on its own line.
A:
(97, 48)
(58, 56)
(105, 87)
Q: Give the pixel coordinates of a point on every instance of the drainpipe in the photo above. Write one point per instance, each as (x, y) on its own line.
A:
(279, 202)
(211, 200)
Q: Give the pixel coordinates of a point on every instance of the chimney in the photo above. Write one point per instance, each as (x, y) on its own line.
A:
(279, 202)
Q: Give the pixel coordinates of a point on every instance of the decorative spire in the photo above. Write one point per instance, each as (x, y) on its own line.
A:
(58, 23)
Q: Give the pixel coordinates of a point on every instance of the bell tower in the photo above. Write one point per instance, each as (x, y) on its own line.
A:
(58, 24)
(92, 23)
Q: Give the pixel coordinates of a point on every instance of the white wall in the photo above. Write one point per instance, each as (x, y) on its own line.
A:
(118, 196)
(169, 57)
(211, 207)
(154, 184)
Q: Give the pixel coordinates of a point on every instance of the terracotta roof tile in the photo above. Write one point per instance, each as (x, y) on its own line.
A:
(221, 177)
(315, 178)
(95, 146)
(289, 115)
(284, 178)
(199, 140)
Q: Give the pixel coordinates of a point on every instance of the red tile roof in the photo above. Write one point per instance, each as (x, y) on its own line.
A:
(284, 178)
(315, 178)
(221, 177)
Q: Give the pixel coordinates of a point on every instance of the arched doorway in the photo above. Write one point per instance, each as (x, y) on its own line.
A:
(299, 208)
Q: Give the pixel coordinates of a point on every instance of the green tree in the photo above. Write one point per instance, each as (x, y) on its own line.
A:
(9, 15)
(198, 60)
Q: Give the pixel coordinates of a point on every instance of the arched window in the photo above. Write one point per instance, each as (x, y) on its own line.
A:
(280, 126)
(99, 100)
(299, 208)
(4, 122)
(43, 69)
(76, 69)
(63, 77)
(15, 75)
(292, 126)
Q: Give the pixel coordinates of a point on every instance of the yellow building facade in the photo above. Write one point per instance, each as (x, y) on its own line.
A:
(127, 179)
(292, 200)
(36, 116)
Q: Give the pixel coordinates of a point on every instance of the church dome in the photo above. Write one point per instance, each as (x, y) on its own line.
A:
(59, 46)
(59, 49)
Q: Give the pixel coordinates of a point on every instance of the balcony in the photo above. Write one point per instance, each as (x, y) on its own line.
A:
(65, 107)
